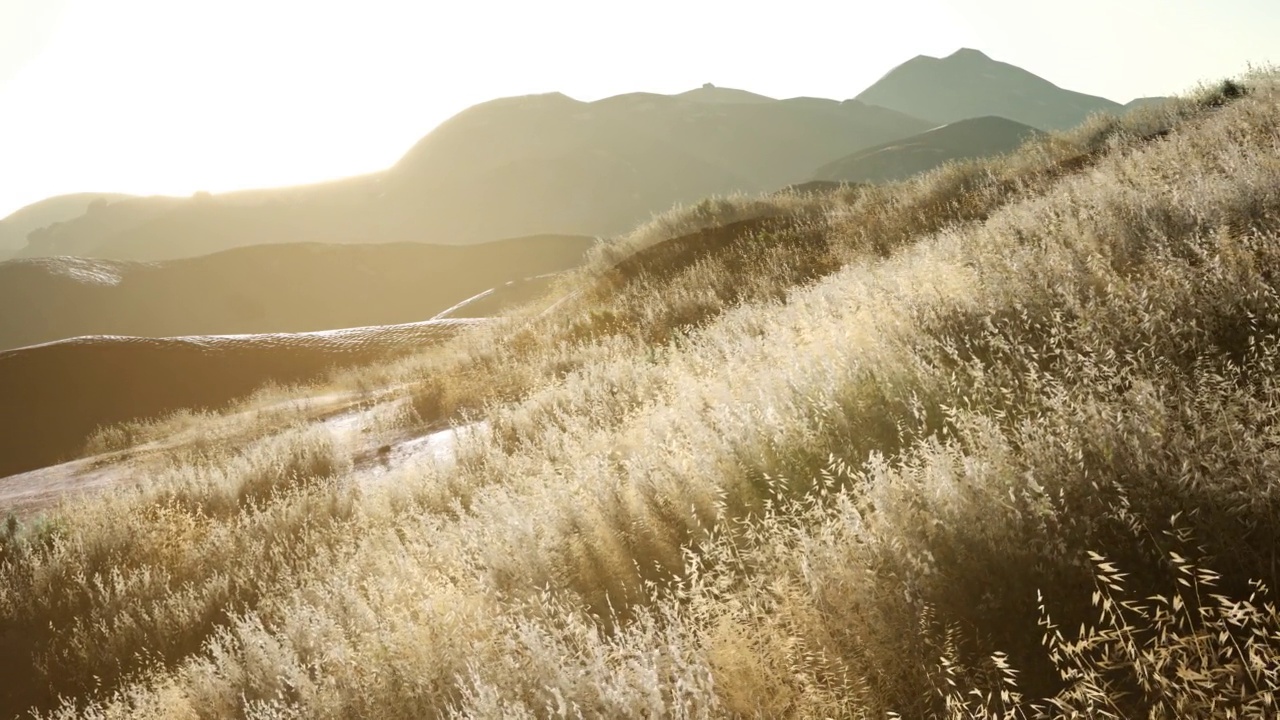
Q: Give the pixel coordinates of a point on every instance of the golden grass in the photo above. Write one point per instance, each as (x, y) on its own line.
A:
(999, 441)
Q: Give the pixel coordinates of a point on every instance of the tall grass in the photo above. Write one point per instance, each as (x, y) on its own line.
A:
(999, 441)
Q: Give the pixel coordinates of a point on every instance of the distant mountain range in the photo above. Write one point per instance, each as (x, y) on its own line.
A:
(277, 288)
(511, 167)
(550, 164)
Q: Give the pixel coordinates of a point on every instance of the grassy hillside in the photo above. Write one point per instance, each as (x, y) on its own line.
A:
(998, 441)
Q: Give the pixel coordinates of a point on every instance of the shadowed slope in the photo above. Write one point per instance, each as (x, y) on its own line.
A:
(56, 394)
(273, 288)
(603, 167)
(898, 159)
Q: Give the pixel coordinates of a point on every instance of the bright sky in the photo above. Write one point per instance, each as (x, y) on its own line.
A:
(174, 96)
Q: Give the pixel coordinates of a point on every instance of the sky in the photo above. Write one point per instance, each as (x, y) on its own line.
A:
(178, 96)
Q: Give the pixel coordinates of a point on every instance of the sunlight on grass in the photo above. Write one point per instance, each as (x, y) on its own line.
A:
(995, 442)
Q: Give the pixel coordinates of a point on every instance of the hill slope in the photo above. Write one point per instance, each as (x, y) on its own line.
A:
(57, 394)
(271, 288)
(968, 84)
(1001, 442)
(898, 159)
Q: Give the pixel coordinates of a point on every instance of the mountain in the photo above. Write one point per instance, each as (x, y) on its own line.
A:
(513, 167)
(960, 140)
(548, 163)
(15, 228)
(274, 288)
(968, 84)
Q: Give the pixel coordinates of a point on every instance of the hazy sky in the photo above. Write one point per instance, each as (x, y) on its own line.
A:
(174, 96)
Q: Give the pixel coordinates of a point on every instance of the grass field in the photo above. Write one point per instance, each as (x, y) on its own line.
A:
(999, 441)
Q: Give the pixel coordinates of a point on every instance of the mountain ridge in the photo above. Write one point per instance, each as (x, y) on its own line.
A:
(548, 163)
(968, 83)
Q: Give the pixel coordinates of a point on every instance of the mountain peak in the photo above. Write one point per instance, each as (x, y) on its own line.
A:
(968, 54)
(968, 83)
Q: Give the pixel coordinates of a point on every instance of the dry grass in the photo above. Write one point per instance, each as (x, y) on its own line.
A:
(1000, 441)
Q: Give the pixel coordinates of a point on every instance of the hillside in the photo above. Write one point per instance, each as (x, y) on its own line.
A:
(997, 441)
(968, 84)
(898, 159)
(512, 167)
(17, 225)
(57, 394)
(294, 287)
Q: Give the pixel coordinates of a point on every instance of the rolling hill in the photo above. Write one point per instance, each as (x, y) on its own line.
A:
(960, 140)
(1000, 443)
(56, 394)
(271, 288)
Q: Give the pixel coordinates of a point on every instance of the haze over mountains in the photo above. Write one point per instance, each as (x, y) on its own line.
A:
(15, 228)
(506, 168)
(550, 164)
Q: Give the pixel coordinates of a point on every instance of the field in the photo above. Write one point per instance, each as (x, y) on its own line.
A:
(999, 441)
